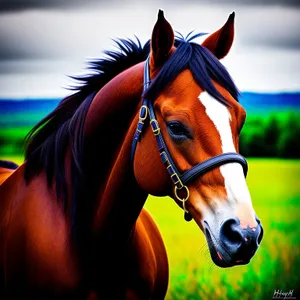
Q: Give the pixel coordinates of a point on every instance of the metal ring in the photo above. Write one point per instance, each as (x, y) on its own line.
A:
(182, 199)
(146, 113)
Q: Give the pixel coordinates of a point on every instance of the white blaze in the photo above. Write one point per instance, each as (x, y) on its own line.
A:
(235, 183)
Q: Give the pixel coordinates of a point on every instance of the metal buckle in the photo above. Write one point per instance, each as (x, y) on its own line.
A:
(182, 199)
(177, 182)
(155, 128)
(141, 117)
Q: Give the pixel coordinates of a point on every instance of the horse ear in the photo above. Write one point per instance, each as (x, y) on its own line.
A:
(162, 40)
(220, 42)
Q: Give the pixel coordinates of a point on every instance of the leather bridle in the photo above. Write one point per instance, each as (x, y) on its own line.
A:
(179, 179)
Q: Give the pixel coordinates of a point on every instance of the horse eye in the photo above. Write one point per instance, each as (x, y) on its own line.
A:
(178, 130)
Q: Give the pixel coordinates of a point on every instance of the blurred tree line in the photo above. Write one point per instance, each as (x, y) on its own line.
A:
(274, 135)
(277, 135)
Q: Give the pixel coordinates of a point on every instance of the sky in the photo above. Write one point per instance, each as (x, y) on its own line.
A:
(42, 42)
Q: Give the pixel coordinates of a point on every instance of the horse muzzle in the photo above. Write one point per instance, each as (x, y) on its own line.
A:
(233, 245)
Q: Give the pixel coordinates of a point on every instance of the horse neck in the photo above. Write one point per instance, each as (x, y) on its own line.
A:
(109, 130)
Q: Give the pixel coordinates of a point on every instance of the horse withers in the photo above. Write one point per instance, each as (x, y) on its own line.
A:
(161, 119)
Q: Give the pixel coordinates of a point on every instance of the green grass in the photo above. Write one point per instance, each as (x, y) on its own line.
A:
(275, 189)
(11, 140)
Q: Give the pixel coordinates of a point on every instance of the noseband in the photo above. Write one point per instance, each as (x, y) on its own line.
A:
(179, 179)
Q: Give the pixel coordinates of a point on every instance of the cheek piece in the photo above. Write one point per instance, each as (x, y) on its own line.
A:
(179, 179)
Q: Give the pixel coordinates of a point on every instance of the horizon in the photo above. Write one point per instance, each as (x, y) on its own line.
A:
(55, 98)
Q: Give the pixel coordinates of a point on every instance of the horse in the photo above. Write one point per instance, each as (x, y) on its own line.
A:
(161, 119)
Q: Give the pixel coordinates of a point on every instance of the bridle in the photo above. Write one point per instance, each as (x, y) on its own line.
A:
(179, 179)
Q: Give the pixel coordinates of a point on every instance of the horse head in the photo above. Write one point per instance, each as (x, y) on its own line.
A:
(195, 119)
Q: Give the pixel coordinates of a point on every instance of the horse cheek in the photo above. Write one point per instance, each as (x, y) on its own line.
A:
(150, 173)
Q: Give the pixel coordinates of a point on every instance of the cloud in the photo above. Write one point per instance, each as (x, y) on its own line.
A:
(84, 33)
(269, 27)
(79, 34)
(20, 5)
(35, 43)
(252, 71)
(248, 2)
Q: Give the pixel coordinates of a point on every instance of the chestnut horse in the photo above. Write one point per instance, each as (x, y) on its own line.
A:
(72, 223)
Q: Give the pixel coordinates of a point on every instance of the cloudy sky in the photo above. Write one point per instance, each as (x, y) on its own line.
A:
(41, 42)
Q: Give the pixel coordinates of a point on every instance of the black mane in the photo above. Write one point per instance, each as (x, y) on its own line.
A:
(203, 65)
(8, 164)
(48, 141)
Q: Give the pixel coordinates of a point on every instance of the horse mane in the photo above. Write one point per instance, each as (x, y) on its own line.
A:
(47, 142)
(62, 129)
(203, 65)
(8, 164)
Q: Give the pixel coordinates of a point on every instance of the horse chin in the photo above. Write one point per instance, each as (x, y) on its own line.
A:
(218, 254)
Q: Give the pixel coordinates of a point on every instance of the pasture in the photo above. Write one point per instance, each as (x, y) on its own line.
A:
(274, 185)
(275, 189)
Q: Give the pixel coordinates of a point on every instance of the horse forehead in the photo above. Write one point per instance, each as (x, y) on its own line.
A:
(183, 95)
(184, 85)
(186, 88)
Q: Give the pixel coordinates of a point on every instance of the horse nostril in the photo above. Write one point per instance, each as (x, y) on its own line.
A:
(240, 242)
(261, 233)
(230, 233)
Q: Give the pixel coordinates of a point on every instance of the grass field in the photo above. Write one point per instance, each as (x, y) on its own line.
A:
(275, 189)
(272, 129)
